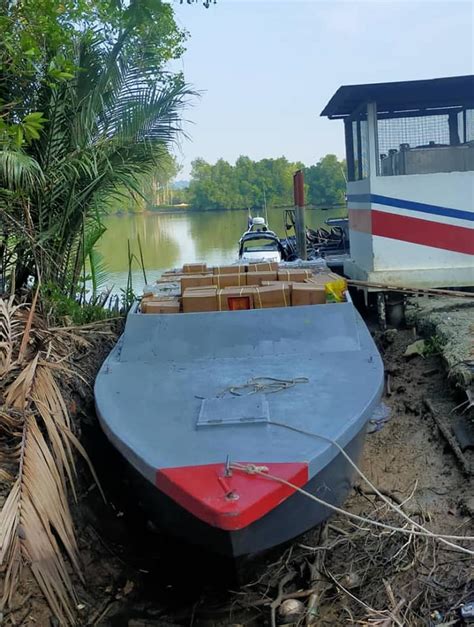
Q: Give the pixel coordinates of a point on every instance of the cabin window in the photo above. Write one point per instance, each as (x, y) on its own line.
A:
(425, 143)
(260, 245)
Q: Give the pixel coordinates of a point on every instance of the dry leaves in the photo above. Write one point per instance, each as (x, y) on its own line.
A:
(37, 448)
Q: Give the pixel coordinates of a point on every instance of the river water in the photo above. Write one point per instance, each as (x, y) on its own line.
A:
(170, 239)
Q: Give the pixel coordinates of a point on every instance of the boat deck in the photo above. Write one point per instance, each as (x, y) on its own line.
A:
(150, 392)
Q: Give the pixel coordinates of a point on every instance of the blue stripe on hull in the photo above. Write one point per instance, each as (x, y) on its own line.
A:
(412, 206)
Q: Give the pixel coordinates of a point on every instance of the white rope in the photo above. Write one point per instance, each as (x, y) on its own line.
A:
(267, 385)
(393, 506)
(262, 471)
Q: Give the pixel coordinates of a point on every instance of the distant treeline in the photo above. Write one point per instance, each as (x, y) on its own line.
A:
(247, 184)
(250, 183)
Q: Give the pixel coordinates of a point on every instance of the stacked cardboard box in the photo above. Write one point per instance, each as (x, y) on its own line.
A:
(235, 298)
(288, 284)
(196, 300)
(307, 294)
(266, 266)
(169, 306)
(256, 278)
(194, 268)
(198, 288)
(195, 280)
(230, 280)
(234, 287)
(236, 269)
(214, 299)
(295, 275)
(272, 296)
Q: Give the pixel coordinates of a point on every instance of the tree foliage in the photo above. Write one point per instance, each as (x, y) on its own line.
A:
(248, 182)
(37, 49)
(326, 182)
(87, 114)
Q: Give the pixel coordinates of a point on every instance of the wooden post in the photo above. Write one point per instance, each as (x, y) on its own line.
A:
(300, 228)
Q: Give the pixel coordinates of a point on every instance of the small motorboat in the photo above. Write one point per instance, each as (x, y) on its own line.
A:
(224, 415)
(259, 244)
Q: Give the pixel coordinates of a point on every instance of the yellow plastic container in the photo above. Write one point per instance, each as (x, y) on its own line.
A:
(335, 291)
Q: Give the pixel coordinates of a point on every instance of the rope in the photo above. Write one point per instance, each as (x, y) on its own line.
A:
(268, 385)
(363, 476)
(262, 471)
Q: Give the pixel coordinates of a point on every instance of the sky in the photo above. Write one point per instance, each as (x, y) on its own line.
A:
(267, 68)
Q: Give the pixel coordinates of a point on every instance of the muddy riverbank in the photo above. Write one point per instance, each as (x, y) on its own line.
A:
(347, 573)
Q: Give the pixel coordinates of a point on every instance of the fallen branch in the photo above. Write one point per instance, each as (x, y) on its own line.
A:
(396, 499)
(449, 437)
(276, 603)
(299, 594)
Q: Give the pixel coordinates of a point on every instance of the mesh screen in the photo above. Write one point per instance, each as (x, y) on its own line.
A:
(416, 132)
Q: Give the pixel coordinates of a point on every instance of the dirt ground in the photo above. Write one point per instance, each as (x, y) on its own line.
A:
(348, 573)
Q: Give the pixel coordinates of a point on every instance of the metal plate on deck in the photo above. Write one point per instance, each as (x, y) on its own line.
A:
(234, 410)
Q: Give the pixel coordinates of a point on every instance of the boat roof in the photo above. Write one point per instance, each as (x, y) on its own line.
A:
(401, 96)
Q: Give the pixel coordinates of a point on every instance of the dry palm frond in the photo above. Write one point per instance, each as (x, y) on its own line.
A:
(37, 447)
(8, 333)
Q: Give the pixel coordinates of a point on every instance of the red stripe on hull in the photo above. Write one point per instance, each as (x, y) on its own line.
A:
(458, 239)
(209, 495)
(425, 232)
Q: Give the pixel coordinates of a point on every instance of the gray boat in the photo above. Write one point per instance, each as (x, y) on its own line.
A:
(171, 397)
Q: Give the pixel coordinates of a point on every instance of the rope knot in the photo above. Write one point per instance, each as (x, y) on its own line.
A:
(252, 469)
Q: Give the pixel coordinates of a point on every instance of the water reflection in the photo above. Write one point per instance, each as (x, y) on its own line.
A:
(171, 239)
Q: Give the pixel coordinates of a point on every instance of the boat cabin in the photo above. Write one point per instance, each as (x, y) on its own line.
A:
(410, 190)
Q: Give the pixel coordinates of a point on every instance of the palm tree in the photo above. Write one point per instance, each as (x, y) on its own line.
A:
(105, 128)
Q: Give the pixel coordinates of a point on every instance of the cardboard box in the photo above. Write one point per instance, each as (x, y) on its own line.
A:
(236, 269)
(195, 280)
(173, 272)
(276, 295)
(288, 284)
(265, 266)
(307, 294)
(296, 274)
(160, 306)
(169, 278)
(199, 300)
(321, 278)
(230, 280)
(235, 298)
(194, 268)
(150, 296)
(198, 288)
(256, 278)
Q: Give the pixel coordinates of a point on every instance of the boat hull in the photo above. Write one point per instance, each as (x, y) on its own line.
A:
(295, 516)
(166, 399)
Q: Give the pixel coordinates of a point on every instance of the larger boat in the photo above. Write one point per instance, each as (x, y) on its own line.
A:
(225, 415)
(259, 243)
